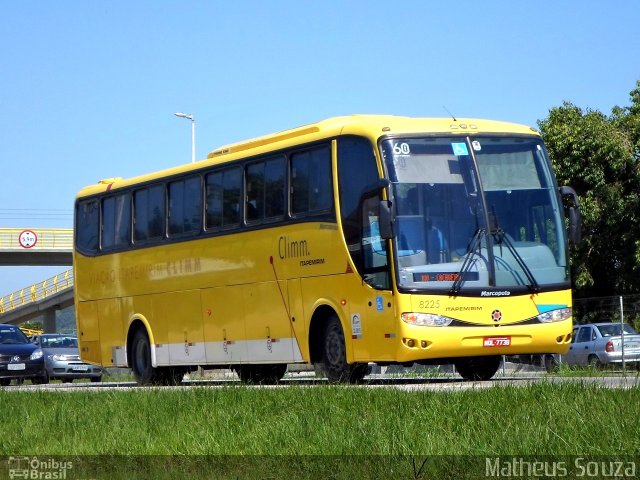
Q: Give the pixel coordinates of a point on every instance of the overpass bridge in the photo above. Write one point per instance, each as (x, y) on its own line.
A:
(37, 247)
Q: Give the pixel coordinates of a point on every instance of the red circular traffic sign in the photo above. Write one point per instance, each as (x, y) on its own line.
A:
(27, 238)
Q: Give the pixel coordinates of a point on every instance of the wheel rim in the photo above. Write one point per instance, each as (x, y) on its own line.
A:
(335, 350)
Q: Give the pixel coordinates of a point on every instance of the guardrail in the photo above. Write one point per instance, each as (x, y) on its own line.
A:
(21, 239)
(30, 331)
(36, 292)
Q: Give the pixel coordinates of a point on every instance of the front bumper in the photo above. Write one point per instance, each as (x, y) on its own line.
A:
(72, 369)
(421, 342)
(23, 369)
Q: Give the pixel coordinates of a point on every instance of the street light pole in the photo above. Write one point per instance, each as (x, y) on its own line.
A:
(193, 133)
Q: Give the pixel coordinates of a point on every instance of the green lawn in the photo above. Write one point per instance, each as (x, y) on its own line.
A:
(333, 422)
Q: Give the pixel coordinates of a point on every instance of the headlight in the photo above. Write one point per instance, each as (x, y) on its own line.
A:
(555, 315)
(36, 354)
(58, 358)
(426, 319)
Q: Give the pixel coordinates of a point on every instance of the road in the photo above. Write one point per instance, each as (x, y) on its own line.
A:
(414, 383)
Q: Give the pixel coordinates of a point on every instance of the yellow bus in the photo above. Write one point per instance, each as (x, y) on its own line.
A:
(354, 240)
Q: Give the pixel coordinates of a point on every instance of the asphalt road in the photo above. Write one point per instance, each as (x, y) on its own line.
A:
(409, 383)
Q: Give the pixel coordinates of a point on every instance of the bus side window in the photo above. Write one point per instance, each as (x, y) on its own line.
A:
(274, 175)
(87, 226)
(311, 189)
(231, 188)
(149, 213)
(265, 190)
(223, 199)
(254, 206)
(116, 221)
(185, 206)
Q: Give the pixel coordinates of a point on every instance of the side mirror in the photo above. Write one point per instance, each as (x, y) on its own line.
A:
(572, 212)
(386, 220)
(375, 188)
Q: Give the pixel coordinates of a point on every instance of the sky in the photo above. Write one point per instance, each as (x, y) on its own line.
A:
(88, 89)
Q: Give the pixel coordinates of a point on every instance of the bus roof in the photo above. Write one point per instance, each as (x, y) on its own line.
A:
(371, 126)
(376, 125)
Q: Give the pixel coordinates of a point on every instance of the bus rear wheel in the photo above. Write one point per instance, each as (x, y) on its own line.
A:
(334, 356)
(143, 370)
(141, 366)
(478, 368)
(261, 374)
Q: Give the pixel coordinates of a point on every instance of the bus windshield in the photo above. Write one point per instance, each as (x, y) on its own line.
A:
(474, 213)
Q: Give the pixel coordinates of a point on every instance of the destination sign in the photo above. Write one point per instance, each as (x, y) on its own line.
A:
(444, 276)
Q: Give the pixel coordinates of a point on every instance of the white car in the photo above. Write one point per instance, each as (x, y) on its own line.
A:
(600, 344)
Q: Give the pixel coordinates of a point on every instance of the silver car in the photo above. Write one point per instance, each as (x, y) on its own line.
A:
(600, 344)
(62, 358)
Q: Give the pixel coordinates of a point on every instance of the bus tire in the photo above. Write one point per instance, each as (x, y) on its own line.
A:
(141, 365)
(334, 356)
(550, 363)
(478, 368)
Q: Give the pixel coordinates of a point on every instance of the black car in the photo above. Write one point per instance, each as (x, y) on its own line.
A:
(19, 358)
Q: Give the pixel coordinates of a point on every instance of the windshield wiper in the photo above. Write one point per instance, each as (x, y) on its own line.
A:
(469, 260)
(503, 238)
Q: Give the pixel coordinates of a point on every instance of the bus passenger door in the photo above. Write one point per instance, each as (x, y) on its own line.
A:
(372, 317)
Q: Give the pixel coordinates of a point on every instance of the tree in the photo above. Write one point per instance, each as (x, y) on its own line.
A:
(599, 156)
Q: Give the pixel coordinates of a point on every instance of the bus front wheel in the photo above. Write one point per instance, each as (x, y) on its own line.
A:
(334, 356)
(478, 368)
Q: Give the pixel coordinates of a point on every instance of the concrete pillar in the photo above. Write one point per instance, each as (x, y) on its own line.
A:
(49, 321)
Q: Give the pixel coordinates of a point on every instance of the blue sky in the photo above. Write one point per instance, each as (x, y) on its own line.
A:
(88, 89)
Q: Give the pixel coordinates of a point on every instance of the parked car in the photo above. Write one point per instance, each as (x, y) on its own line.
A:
(600, 344)
(19, 358)
(62, 358)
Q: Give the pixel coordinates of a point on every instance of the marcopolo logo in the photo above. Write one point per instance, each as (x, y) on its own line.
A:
(502, 293)
(38, 468)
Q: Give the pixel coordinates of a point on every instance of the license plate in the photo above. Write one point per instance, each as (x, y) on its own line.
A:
(496, 341)
(631, 345)
(16, 366)
(80, 368)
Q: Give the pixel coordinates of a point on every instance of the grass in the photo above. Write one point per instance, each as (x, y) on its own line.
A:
(545, 419)
(590, 371)
(349, 432)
